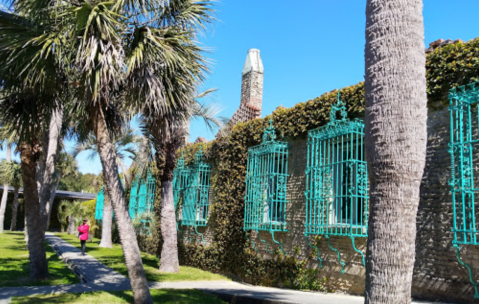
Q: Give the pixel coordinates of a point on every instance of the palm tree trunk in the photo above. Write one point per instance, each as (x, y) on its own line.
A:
(49, 205)
(169, 251)
(395, 139)
(29, 154)
(131, 250)
(71, 225)
(51, 157)
(106, 222)
(13, 224)
(3, 204)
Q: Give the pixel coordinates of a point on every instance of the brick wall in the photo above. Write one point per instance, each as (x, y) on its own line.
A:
(437, 273)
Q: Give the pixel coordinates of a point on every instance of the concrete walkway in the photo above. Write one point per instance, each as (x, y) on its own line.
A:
(98, 277)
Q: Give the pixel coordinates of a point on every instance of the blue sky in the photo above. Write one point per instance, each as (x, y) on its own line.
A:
(308, 47)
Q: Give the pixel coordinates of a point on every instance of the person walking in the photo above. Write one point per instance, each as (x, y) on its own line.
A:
(83, 234)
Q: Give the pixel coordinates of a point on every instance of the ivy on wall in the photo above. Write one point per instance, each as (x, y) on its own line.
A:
(229, 252)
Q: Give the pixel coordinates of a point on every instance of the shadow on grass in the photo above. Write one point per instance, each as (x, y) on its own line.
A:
(159, 296)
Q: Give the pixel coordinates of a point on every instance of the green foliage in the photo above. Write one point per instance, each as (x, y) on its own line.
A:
(451, 66)
(68, 210)
(11, 173)
(90, 209)
(230, 251)
(87, 182)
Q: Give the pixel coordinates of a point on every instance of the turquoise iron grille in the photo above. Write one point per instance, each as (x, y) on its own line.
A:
(196, 193)
(100, 198)
(336, 179)
(151, 193)
(266, 183)
(180, 180)
(142, 193)
(464, 149)
(142, 196)
(133, 198)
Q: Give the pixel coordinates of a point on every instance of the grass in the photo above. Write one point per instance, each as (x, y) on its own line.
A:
(14, 264)
(164, 296)
(113, 258)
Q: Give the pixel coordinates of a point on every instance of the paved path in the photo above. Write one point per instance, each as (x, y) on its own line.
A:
(97, 277)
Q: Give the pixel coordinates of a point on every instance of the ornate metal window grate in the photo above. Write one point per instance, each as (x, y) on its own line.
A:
(196, 193)
(142, 196)
(266, 184)
(133, 206)
(464, 150)
(180, 180)
(336, 179)
(100, 198)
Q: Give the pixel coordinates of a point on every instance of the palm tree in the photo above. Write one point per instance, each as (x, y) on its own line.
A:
(47, 164)
(71, 214)
(166, 148)
(32, 77)
(119, 53)
(395, 138)
(65, 165)
(125, 144)
(11, 174)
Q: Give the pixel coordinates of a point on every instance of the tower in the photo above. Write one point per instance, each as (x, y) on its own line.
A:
(251, 89)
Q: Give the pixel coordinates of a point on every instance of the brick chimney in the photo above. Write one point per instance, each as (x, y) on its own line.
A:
(251, 89)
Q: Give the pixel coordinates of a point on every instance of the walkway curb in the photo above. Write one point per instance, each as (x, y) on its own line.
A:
(69, 263)
(239, 299)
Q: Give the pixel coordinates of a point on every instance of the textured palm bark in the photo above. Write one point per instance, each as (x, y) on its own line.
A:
(3, 204)
(49, 207)
(107, 221)
(72, 225)
(169, 251)
(29, 154)
(395, 140)
(13, 224)
(51, 157)
(131, 250)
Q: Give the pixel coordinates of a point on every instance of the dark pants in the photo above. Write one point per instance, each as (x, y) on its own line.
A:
(83, 246)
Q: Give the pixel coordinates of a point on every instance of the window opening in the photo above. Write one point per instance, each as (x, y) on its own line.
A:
(463, 149)
(266, 184)
(336, 180)
(99, 205)
(195, 194)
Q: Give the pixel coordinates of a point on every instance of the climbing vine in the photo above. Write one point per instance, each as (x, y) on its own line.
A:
(229, 251)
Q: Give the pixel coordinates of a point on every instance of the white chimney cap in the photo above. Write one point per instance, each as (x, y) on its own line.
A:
(253, 62)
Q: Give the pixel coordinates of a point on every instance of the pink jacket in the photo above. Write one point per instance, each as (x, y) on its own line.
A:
(83, 229)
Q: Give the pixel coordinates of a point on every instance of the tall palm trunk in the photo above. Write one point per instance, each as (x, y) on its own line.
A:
(13, 224)
(131, 251)
(3, 204)
(72, 224)
(49, 207)
(169, 251)
(395, 138)
(51, 157)
(107, 221)
(29, 154)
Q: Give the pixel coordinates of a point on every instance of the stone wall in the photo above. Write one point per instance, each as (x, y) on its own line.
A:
(437, 273)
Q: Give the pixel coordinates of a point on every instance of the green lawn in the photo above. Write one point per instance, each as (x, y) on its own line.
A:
(14, 264)
(164, 296)
(113, 258)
